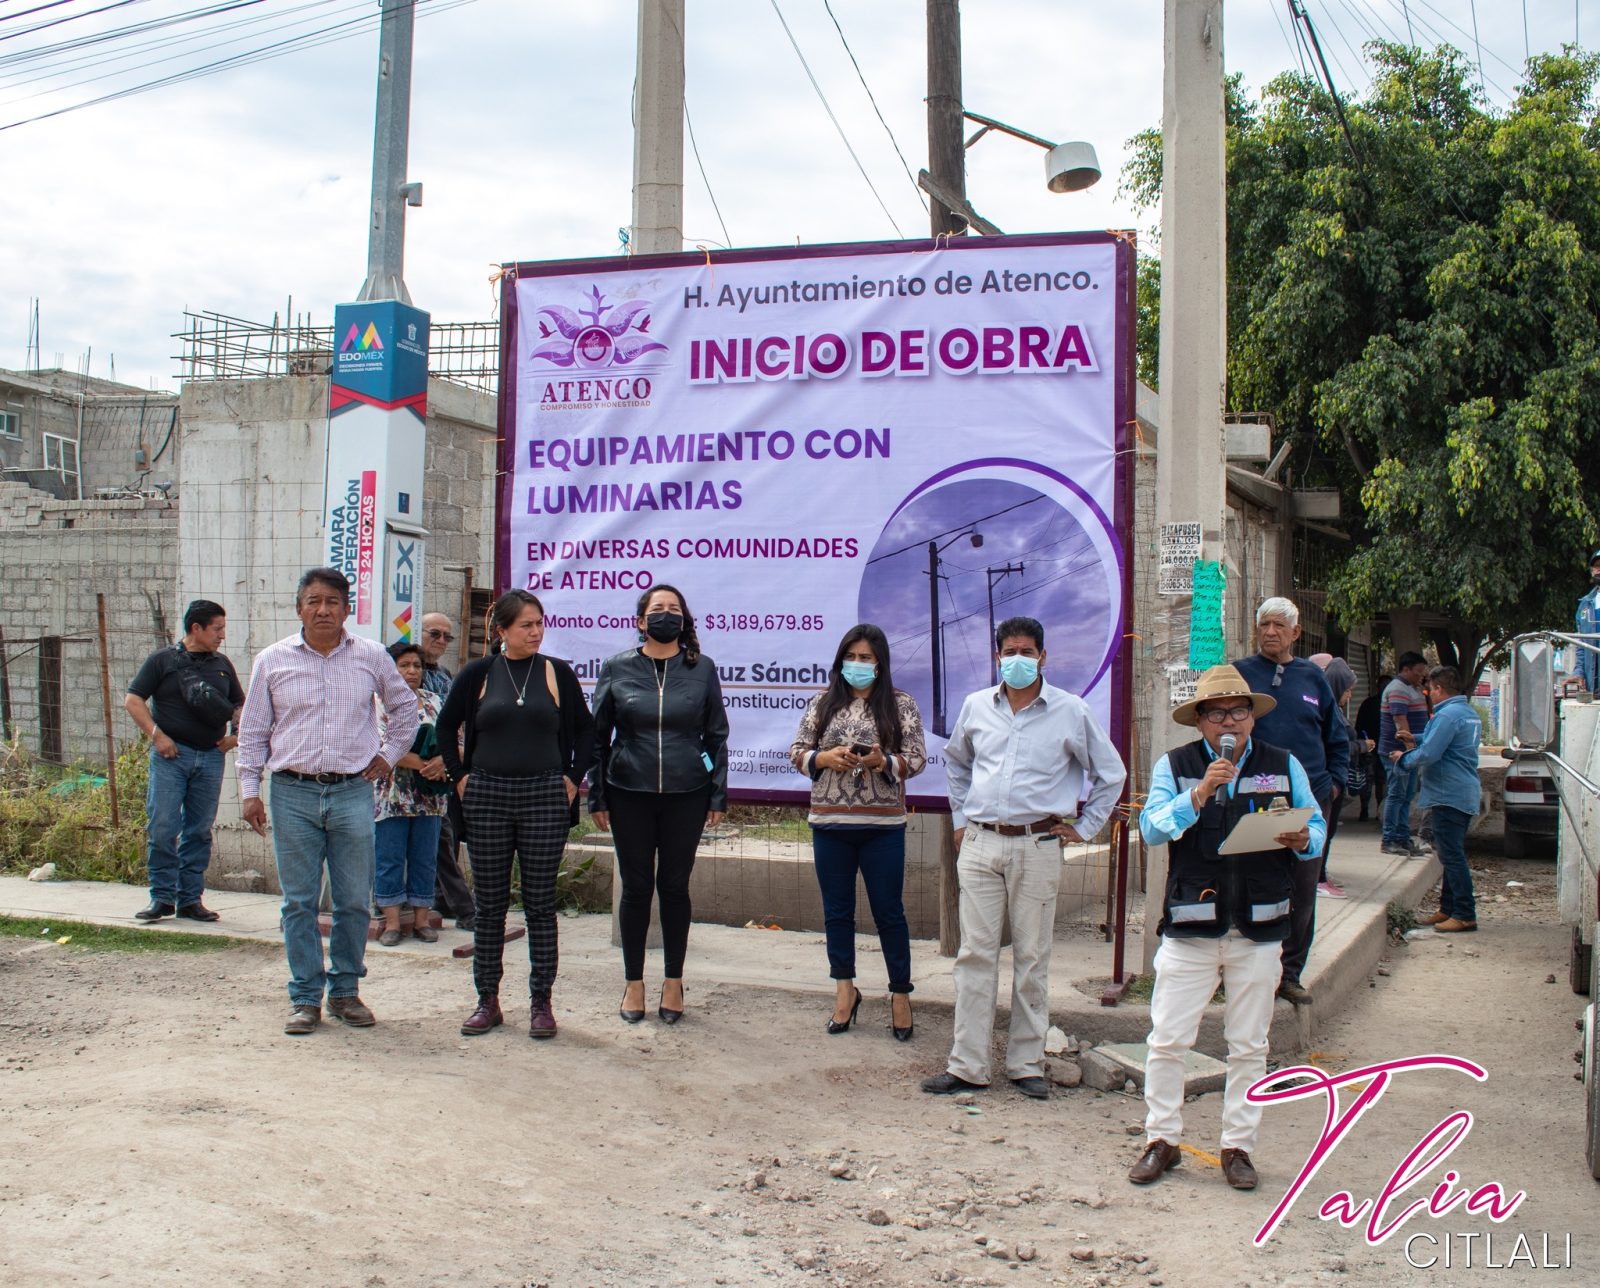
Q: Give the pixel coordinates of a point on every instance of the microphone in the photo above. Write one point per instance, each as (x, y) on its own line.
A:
(1226, 745)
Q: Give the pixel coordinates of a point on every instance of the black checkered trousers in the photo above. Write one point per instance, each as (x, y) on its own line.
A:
(525, 819)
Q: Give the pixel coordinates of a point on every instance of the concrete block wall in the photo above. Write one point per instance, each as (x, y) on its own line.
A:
(57, 555)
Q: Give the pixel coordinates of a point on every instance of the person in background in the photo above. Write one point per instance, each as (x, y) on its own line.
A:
(660, 778)
(197, 695)
(1368, 725)
(309, 720)
(1029, 770)
(410, 807)
(1404, 717)
(527, 740)
(1222, 916)
(1447, 759)
(1306, 723)
(1341, 679)
(1586, 665)
(859, 741)
(451, 894)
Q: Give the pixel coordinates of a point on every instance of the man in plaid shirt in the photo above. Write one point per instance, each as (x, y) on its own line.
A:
(310, 722)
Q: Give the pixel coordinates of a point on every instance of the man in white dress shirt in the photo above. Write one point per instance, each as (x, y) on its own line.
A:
(1029, 770)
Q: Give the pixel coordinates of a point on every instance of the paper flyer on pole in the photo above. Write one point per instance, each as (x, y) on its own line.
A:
(929, 438)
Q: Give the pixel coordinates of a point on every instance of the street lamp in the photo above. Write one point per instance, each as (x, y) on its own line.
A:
(1068, 167)
(935, 640)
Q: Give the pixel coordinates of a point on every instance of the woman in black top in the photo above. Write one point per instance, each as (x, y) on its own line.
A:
(660, 777)
(529, 740)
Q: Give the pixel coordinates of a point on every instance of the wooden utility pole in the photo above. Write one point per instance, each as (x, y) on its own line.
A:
(105, 703)
(947, 154)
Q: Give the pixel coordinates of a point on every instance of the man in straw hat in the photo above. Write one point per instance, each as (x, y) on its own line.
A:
(1224, 917)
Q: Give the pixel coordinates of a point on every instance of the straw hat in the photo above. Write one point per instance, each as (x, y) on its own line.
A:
(1221, 682)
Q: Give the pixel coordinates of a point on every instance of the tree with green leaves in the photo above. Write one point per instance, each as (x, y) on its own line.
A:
(1418, 304)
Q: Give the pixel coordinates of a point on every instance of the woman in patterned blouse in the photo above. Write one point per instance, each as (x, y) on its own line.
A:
(409, 808)
(859, 740)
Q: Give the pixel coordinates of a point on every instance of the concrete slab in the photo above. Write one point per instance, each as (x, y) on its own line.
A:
(1116, 1063)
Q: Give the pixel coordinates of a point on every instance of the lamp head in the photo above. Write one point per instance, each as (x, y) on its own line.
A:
(1071, 167)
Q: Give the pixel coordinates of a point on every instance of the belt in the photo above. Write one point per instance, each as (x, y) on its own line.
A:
(1018, 829)
(327, 780)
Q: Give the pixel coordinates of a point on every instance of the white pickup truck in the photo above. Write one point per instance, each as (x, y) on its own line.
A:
(1565, 735)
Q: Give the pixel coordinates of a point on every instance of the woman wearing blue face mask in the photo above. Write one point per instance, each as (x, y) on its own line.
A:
(859, 741)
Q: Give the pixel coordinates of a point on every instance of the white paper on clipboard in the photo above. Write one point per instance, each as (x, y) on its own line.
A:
(1259, 831)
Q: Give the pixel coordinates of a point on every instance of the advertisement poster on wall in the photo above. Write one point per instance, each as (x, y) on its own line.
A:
(931, 438)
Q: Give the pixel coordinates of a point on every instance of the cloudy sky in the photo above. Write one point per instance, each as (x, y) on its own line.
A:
(237, 191)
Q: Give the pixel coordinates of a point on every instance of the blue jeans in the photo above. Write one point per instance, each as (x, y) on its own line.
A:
(182, 805)
(879, 855)
(1397, 805)
(316, 826)
(1450, 840)
(407, 859)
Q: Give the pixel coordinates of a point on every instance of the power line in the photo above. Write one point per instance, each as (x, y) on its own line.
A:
(832, 117)
(859, 76)
(955, 531)
(65, 18)
(695, 147)
(277, 49)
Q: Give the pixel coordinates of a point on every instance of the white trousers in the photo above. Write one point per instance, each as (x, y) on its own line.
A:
(1187, 974)
(1001, 874)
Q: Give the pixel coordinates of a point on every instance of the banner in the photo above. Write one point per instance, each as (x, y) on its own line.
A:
(372, 515)
(929, 438)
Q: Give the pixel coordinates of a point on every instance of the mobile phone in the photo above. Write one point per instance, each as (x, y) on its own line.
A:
(861, 749)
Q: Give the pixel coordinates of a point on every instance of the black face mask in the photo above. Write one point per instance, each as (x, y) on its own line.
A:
(663, 627)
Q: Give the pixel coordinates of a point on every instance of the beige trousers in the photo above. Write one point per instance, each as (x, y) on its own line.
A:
(1001, 874)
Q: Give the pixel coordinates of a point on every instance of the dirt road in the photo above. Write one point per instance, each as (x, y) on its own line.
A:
(157, 1128)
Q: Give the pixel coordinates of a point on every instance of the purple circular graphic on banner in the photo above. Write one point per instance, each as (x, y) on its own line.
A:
(962, 556)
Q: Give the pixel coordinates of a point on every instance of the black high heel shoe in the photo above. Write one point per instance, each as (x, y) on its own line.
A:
(667, 1015)
(835, 1027)
(900, 1034)
(628, 1016)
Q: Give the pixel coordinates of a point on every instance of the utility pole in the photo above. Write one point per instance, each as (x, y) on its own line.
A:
(947, 153)
(658, 130)
(391, 194)
(998, 574)
(1191, 478)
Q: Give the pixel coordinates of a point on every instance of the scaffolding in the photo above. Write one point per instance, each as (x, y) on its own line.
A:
(215, 346)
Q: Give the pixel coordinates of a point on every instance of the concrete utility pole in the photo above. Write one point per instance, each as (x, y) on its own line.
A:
(1191, 474)
(391, 194)
(947, 153)
(658, 131)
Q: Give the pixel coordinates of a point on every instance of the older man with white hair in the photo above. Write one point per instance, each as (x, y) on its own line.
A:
(1307, 724)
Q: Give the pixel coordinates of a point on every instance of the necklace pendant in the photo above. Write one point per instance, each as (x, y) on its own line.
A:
(519, 702)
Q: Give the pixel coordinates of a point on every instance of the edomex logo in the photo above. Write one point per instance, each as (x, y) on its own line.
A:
(364, 340)
(600, 346)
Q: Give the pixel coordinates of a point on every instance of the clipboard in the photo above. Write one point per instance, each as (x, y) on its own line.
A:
(1255, 832)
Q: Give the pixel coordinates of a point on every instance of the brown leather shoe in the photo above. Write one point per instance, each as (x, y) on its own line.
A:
(1433, 919)
(1453, 926)
(1158, 1156)
(486, 1017)
(1237, 1169)
(1294, 992)
(302, 1020)
(541, 1019)
(351, 1011)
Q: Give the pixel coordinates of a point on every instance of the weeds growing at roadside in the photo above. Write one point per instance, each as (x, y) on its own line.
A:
(63, 816)
(122, 939)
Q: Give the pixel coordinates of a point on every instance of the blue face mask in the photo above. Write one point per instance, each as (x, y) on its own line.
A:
(1019, 672)
(858, 674)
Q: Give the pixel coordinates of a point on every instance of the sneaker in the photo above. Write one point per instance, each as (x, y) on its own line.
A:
(1421, 850)
(1331, 890)
(1401, 849)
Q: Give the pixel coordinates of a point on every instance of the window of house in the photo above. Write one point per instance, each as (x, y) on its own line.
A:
(11, 420)
(61, 453)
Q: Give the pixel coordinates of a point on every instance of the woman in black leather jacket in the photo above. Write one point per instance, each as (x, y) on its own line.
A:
(660, 778)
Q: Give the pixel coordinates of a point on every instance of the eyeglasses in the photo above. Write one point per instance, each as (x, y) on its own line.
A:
(443, 636)
(1277, 675)
(1236, 714)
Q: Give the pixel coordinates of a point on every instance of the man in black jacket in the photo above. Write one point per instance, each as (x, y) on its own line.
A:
(1224, 916)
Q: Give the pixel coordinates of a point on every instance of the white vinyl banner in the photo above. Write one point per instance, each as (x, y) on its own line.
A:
(930, 439)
